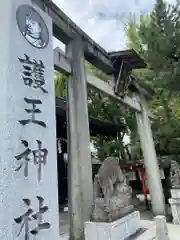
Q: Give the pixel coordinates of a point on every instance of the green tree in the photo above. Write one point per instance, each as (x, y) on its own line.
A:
(147, 36)
(104, 108)
(60, 84)
(160, 34)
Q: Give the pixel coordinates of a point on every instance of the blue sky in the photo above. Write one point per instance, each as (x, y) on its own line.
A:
(104, 20)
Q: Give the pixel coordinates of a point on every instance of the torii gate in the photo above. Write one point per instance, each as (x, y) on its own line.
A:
(80, 181)
(79, 47)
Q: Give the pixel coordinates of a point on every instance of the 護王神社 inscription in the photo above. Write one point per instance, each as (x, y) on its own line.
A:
(28, 158)
(33, 72)
(32, 112)
(31, 215)
(33, 77)
(39, 157)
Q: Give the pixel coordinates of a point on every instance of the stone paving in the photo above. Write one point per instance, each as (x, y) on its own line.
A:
(174, 231)
(146, 216)
(63, 223)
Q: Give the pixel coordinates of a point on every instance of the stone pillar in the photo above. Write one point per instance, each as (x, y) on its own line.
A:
(161, 228)
(80, 167)
(150, 160)
(175, 191)
(174, 202)
(28, 163)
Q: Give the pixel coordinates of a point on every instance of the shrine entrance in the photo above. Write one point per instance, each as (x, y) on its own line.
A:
(27, 124)
(118, 65)
(137, 102)
(80, 166)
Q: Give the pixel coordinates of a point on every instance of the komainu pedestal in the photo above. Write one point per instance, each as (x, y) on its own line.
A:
(113, 216)
(175, 192)
(120, 229)
(112, 195)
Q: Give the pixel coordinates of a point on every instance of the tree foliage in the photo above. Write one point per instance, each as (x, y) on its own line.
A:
(107, 109)
(156, 38)
(60, 84)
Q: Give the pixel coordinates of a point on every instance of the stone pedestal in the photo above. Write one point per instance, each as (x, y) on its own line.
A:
(175, 205)
(161, 228)
(117, 230)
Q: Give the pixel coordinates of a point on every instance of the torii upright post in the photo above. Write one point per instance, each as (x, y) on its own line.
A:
(150, 160)
(80, 167)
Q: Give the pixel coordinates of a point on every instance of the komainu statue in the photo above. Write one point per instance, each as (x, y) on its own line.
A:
(112, 195)
(175, 175)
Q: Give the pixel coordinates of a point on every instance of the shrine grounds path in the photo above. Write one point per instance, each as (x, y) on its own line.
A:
(146, 217)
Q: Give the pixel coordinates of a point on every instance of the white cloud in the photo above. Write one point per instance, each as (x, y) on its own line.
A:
(104, 20)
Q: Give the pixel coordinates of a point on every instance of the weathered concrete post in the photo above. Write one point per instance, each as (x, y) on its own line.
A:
(80, 167)
(161, 228)
(150, 160)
